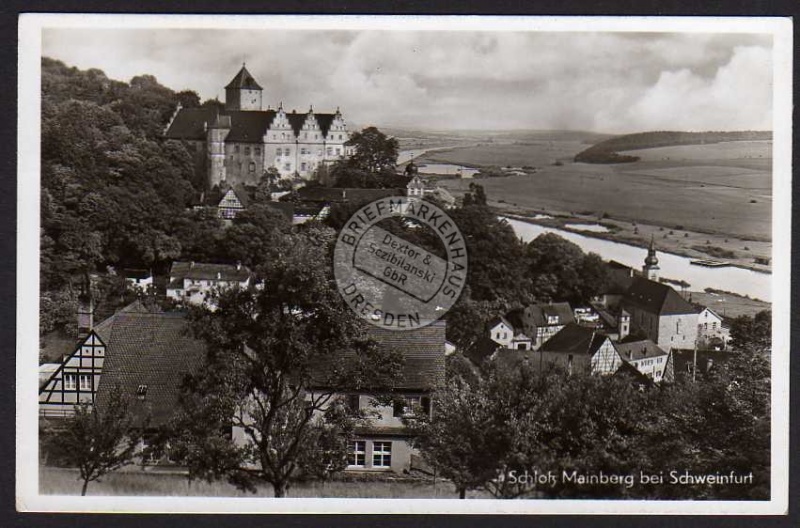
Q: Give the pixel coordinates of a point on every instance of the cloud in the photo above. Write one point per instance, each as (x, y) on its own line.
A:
(613, 82)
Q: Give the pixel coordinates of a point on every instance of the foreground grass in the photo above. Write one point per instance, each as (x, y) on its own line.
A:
(58, 481)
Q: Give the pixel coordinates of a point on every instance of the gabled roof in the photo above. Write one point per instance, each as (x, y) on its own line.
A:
(245, 126)
(496, 320)
(657, 298)
(481, 350)
(205, 271)
(574, 339)
(620, 278)
(243, 80)
(633, 350)
(626, 370)
(540, 312)
(422, 349)
(151, 349)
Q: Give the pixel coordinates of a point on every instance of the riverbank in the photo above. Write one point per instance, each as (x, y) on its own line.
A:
(737, 252)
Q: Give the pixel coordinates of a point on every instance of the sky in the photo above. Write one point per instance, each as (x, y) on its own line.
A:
(618, 82)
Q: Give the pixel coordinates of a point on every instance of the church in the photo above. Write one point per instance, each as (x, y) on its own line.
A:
(237, 144)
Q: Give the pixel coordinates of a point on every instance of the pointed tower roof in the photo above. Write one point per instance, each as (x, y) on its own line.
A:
(244, 80)
(652, 259)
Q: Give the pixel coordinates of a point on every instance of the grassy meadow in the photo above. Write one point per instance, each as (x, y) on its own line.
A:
(716, 188)
(59, 481)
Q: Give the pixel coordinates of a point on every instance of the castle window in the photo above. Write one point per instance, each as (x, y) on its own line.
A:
(329, 151)
(252, 167)
(279, 151)
(287, 151)
(338, 151)
(340, 136)
(287, 166)
(303, 166)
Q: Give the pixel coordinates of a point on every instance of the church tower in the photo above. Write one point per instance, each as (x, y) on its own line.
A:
(243, 92)
(650, 268)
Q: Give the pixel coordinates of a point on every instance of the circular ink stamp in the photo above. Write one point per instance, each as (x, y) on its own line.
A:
(387, 279)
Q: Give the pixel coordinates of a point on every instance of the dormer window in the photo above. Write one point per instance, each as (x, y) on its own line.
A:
(552, 319)
(141, 392)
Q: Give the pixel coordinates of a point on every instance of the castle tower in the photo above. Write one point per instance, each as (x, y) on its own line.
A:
(243, 92)
(217, 132)
(650, 268)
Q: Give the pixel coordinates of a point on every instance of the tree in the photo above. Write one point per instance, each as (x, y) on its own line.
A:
(99, 439)
(374, 151)
(560, 270)
(752, 334)
(461, 442)
(278, 357)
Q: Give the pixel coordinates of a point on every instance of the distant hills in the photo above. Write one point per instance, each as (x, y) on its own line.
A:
(608, 151)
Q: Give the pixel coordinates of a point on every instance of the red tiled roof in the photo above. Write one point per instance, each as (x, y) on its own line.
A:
(151, 349)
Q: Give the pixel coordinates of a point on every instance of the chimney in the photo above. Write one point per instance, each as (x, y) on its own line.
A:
(85, 308)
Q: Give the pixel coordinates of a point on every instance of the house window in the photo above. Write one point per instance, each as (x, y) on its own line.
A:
(552, 319)
(85, 382)
(258, 151)
(287, 167)
(338, 150)
(357, 453)
(236, 148)
(141, 392)
(70, 382)
(247, 151)
(278, 152)
(303, 166)
(381, 454)
(329, 151)
(252, 167)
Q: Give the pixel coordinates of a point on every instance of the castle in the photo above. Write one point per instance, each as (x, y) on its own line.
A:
(237, 144)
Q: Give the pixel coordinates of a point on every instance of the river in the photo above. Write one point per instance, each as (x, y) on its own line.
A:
(737, 280)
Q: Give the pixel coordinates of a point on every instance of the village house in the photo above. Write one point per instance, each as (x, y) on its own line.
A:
(384, 443)
(193, 282)
(239, 143)
(505, 334)
(147, 354)
(543, 321)
(76, 378)
(647, 358)
(416, 190)
(712, 332)
(580, 349)
(138, 279)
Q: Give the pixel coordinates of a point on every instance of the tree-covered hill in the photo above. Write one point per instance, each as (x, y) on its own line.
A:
(608, 151)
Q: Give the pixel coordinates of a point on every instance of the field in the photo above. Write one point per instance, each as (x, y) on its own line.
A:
(730, 305)
(715, 189)
(136, 483)
(517, 154)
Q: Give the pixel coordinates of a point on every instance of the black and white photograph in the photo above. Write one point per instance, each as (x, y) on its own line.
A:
(403, 264)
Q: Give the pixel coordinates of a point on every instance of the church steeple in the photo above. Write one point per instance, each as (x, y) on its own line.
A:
(243, 92)
(650, 268)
